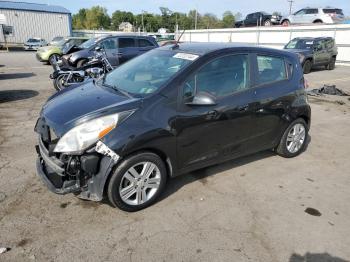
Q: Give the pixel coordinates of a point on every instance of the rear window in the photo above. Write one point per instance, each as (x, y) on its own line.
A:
(271, 69)
(333, 11)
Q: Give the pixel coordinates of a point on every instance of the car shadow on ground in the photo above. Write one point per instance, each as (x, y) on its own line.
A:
(14, 95)
(316, 257)
(16, 75)
(174, 184)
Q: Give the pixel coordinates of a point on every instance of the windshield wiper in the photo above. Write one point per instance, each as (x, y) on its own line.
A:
(125, 93)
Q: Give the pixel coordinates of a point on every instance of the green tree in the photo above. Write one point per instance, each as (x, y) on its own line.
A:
(79, 19)
(228, 19)
(119, 17)
(97, 18)
(238, 16)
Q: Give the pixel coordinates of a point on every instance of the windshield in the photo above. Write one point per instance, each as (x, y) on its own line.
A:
(61, 42)
(57, 38)
(145, 74)
(300, 44)
(33, 40)
(89, 43)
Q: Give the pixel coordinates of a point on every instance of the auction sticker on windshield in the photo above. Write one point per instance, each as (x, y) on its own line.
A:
(186, 56)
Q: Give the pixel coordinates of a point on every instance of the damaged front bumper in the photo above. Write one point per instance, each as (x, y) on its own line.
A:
(84, 175)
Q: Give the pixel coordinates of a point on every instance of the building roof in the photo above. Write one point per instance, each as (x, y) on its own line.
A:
(23, 6)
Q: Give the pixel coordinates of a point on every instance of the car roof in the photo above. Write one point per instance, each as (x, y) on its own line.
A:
(206, 48)
(314, 38)
(77, 37)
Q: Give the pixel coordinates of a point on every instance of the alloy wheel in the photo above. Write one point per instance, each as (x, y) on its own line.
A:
(296, 138)
(139, 183)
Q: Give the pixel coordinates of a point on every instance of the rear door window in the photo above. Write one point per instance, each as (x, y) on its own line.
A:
(126, 42)
(311, 11)
(271, 69)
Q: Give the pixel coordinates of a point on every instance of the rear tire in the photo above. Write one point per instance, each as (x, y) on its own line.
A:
(331, 64)
(307, 66)
(130, 179)
(286, 23)
(294, 138)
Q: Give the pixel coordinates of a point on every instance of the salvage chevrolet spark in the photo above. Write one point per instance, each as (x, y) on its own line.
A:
(165, 113)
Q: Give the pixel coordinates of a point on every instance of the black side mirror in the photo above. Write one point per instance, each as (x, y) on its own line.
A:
(98, 48)
(202, 99)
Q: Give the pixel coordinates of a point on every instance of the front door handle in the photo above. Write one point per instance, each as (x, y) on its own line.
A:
(212, 114)
(243, 108)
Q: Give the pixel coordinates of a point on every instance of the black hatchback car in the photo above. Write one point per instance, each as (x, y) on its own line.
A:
(313, 52)
(118, 48)
(165, 113)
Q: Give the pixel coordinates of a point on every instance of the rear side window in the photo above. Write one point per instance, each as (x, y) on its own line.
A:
(145, 43)
(271, 69)
(333, 11)
(126, 42)
(311, 11)
(221, 77)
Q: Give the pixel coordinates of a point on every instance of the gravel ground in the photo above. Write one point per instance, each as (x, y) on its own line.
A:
(249, 209)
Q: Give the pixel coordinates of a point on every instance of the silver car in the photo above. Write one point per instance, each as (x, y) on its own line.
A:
(314, 15)
(34, 43)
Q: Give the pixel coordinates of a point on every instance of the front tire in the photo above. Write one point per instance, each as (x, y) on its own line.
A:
(59, 82)
(137, 182)
(53, 58)
(267, 22)
(293, 141)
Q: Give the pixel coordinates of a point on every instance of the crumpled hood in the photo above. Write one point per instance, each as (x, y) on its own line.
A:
(81, 103)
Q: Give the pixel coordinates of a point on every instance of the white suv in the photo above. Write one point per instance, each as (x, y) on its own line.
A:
(314, 15)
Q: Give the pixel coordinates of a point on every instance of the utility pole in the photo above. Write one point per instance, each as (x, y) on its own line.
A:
(290, 6)
(143, 25)
(195, 20)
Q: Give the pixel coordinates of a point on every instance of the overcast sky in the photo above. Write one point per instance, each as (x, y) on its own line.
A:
(217, 7)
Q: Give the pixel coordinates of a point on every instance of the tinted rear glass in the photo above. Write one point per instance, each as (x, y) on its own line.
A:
(333, 11)
(126, 42)
(271, 69)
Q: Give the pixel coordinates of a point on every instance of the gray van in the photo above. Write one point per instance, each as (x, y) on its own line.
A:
(119, 49)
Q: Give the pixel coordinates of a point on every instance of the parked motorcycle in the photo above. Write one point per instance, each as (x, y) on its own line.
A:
(96, 67)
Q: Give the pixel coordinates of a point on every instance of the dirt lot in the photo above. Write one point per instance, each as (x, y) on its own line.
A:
(250, 209)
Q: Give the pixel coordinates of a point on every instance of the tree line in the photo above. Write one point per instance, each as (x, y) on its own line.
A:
(97, 17)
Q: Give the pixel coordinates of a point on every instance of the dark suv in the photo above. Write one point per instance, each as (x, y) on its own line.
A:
(165, 113)
(259, 19)
(119, 49)
(320, 51)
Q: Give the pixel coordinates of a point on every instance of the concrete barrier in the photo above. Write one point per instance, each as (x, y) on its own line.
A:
(275, 37)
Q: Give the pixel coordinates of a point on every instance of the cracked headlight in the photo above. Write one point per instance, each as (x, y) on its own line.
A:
(84, 135)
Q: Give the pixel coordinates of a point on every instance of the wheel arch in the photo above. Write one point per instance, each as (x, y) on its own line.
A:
(162, 155)
(317, 21)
